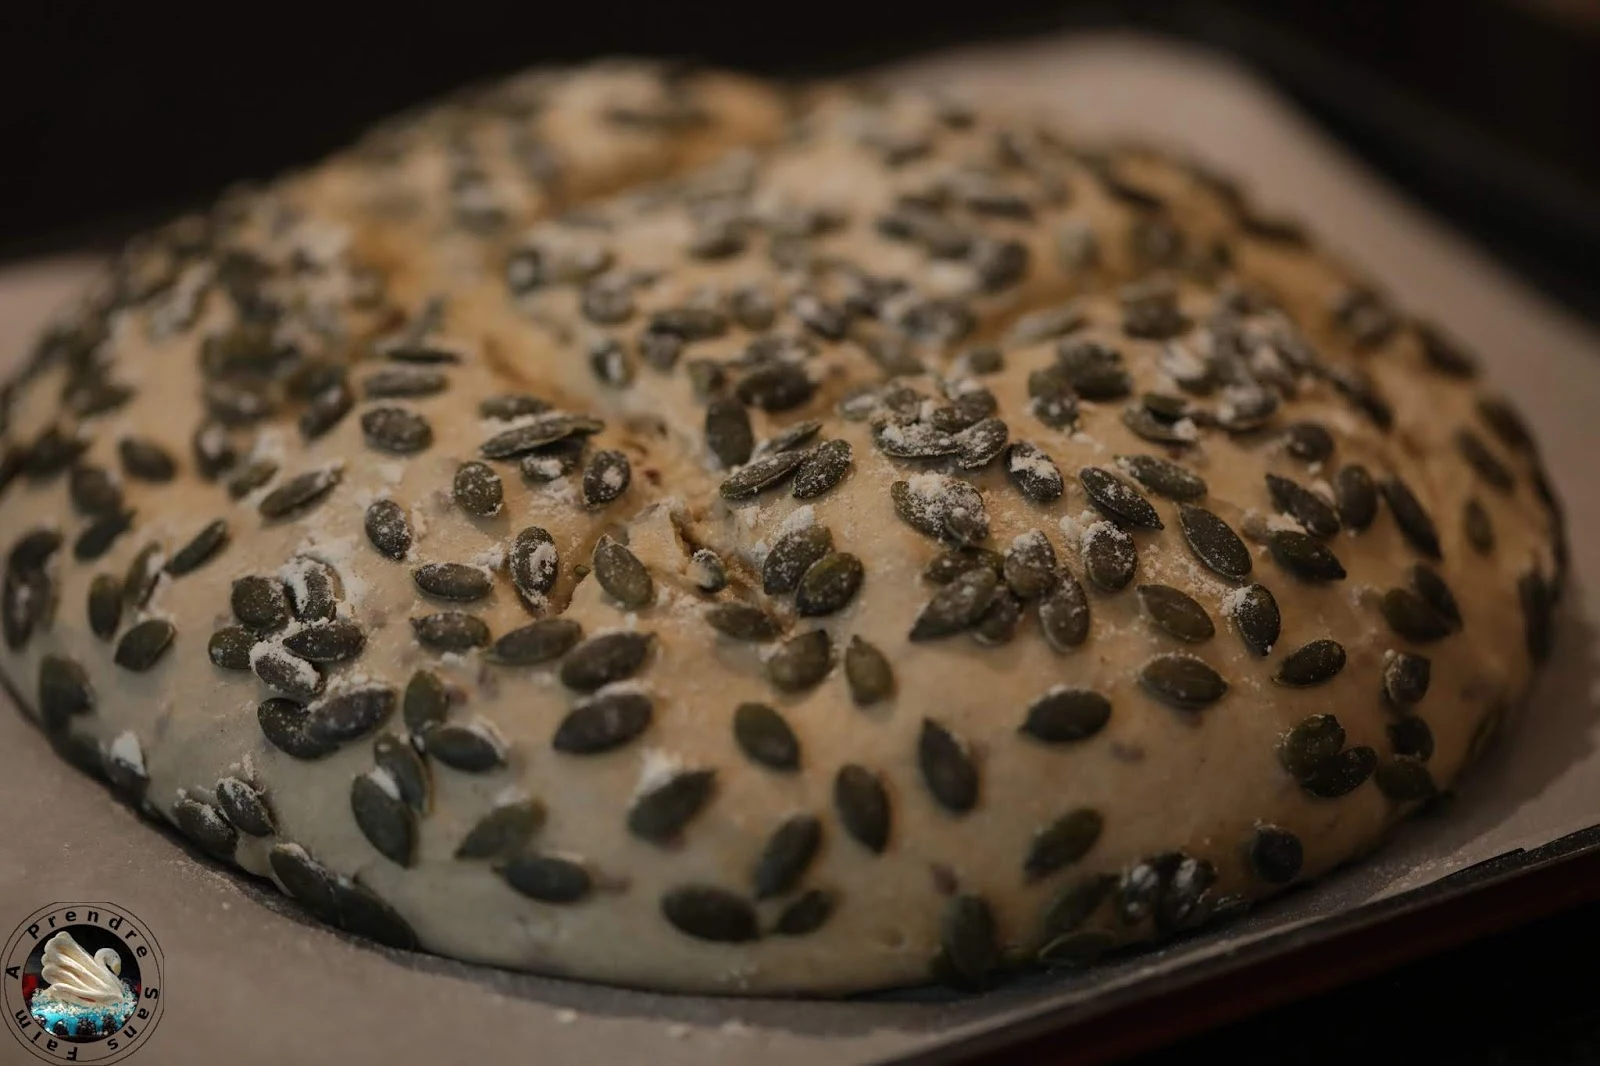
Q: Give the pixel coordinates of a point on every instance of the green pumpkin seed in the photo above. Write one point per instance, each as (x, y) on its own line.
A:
(144, 571)
(1506, 423)
(821, 469)
(553, 461)
(709, 913)
(1063, 842)
(396, 757)
(1412, 617)
(98, 537)
(998, 624)
(660, 814)
(602, 723)
(144, 645)
(145, 460)
(472, 748)
(1164, 478)
(200, 550)
(787, 853)
(252, 477)
(388, 529)
(1181, 902)
(383, 817)
(981, 443)
(1033, 472)
(284, 723)
(453, 581)
(806, 914)
(1477, 527)
(948, 565)
(1311, 664)
(1115, 499)
(1182, 681)
(791, 438)
(742, 621)
(1177, 613)
(1110, 558)
(327, 642)
(968, 938)
(1064, 614)
(863, 806)
(606, 478)
(1414, 522)
(505, 830)
(942, 507)
(229, 647)
(764, 736)
(1432, 588)
(1066, 715)
(260, 603)
(245, 807)
(204, 824)
(1094, 370)
(1030, 567)
(801, 662)
(1314, 514)
(1310, 442)
(1356, 495)
(791, 555)
(1255, 614)
(828, 585)
(289, 674)
(425, 702)
(868, 673)
(729, 436)
(1484, 461)
(1309, 744)
(538, 431)
(311, 595)
(362, 912)
(1304, 557)
(707, 571)
(1411, 736)
(93, 492)
(306, 881)
(105, 606)
(1405, 678)
(300, 493)
(1076, 904)
(63, 692)
(775, 386)
(622, 575)
(350, 714)
(546, 878)
(478, 490)
(1275, 855)
(605, 659)
(947, 768)
(533, 564)
(759, 474)
(1404, 779)
(1537, 600)
(536, 643)
(404, 381)
(957, 606)
(1341, 774)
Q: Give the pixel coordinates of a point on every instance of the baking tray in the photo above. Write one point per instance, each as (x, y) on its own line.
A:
(248, 980)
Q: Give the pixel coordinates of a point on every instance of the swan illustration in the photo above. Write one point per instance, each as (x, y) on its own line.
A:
(80, 987)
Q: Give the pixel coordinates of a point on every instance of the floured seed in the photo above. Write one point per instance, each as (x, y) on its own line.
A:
(808, 913)
(1064, 613)
(1303, 556)
(1314, 514)
(868, 673)
(505, 830)
(1181, 901)
(449, 631)
(945, 508)
(204, 824)
(775, 386)
(605, 659)
(1409, 515)
(1477, 527)
(1432, 588)
(92, 491)
(948, 565)
(459, 582)
(1404, 779)
(214, 452)
(707, 571)
(1214, 543)
(472, 748)
(325, 411)
(602, 723)
(283, 722)
(63, 692)
(661, 813)
(299, 493)
(947, 768)
(606, 477)
(742, 621)
(145, 460)
(230, 646)
(388, 529)
(1109, 556)
(1177, 613)
(143, 646)
(383, 817)
(913, 440)
(1094, 371)
(1275, 855)
(1484, 461)
(764, 736)
(1033, 472)
(396, 757)
(245, 807)
(622, 575)
(787, 853)
(1311, 743)
(511, 405)
(759, 474)
(288, 674)
(1051, 399)
(252, 477)
(1164, 478)
(1076, 904)
(1410, 735)
(538, 642)
(546, 878)
(1341, 774)
(396, 430)
(791, 437)
(332, 641)
(863, 806)
(351, 714)
(791, 556)
(1537, 600)
(1182, 681)
(105, 606)
(708, 913)
(533, 564)
(259, 603)
(1066, 715)
(968, 940)
(998, 624)
(611, 365)
(729, 436)
(1030, 567)
(821, 469)
(403, 382)
(425, 702)
(1412, 617)
(478, 490)
(1311, 664)
(201, 550)
(1406, 677)
(1063, 842)
(1356, 496)
(1255, 614)
(828, 585)
(1140, 887)
(27, 598)
(1310, 442)
(98, 537)
(538, 432)
(33, 549)
(801, 662)
(956, 606)
(1116, 500)
(981, 443)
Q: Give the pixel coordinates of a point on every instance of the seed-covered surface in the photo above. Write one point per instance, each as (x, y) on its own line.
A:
(572, 493)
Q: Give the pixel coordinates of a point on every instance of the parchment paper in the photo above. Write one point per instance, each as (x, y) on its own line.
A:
(251, 982)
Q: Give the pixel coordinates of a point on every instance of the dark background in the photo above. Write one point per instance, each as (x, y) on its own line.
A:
(1488, 111)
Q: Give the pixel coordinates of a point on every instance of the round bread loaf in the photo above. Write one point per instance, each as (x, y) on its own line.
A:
(662, 529)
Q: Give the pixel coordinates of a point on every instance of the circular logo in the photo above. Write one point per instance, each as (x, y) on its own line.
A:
(82, 982)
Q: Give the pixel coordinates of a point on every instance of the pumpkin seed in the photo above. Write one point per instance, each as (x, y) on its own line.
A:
(1255, 614)
(1182, 681)
(606, 477)
(1503, 419)
(1432, 588)
(1311, 664)
(505, 830)
(1405, 678)
(801, 662)
(546, 878)
(425, 702)
(327, 642)
(350, 714)
(537, 432)
(362, 912)
(1094, 370)
(821, 469)
(957, 606)
(214, 453)
(1309, 442)
(1115, 499)
(289, 674)
(1309, 744)
(458, 582)
(63, 692)
(254, 475)
(791, 437)
(761, 473)
(388, 529)
(245, 807)
(947, 768)
(204, 824)
(508, 406)
(27, 597)
(1033, 472)
(661, 813)
(602, 723)
(1340, 774)
(473, 747)
(1140, 888)
(326, 410)
(1414, 522)
(913, 440)
(1314, 514)
(1076, 903)
(1303, 556)
(707, 571)
(1537, 601)
(1177, 613)
(1063, 842)
(1412, 617)
(729, 435)
(1076, 949)
(105, 606)
(1443, 354)
(230, 646)
(553, 461)
(1477, 528)
(404, 381)
(1404, 779)
(144, 571)
(968, 938)
(604, 659)
(383, 818)
(1164, 478)
(405, 767)
(284, 723)
(868, 673)
(708, 913)
(1066, 715)
(1064, 613)
(1410, 736)
(948, 565)
(942, 507)
(1181, 901)
(533, 564)
(98, 537)
(537, 642)
(622, 575)
(145, 460)
(806, 914)
(143, 646)
(981, 443)
(863, 806)
(300, 493)
(1484, 461)
(742, 621)
(396, 430)
(306, 881)
(33, 549)
(828, 585)
(764, 736)
(311, 590)
(791, 556)
(1109, 556)
(998, 624)
(787, 853)
(259, 603)
(1214, 542)
(1275, 855)
(478, 490)
(1030, 567)
(1356, 496)
(92, 491)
